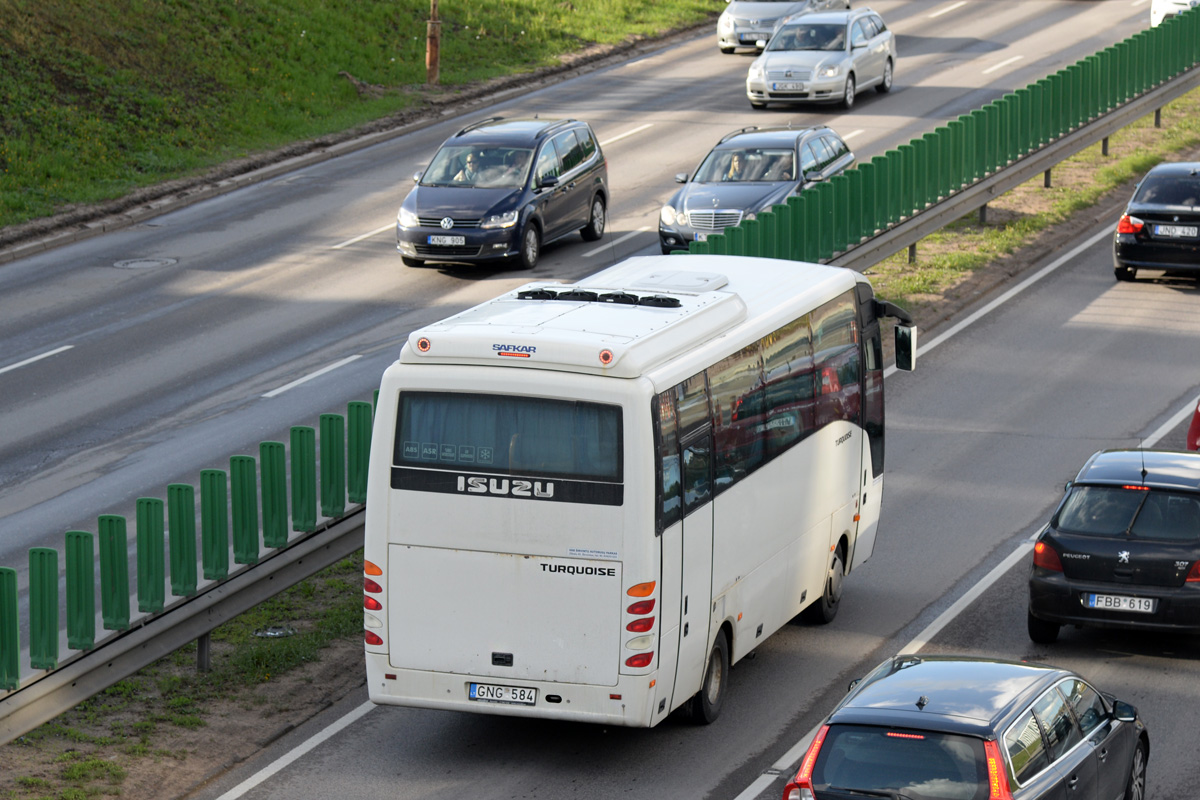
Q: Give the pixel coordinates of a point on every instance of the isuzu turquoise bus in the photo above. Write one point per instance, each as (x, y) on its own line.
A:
(587, 501)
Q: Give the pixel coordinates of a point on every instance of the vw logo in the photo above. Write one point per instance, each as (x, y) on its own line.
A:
(447, 223)
(1123, 557)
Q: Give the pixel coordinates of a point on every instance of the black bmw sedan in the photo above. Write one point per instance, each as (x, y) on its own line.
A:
(1122, 550)
(962, 728)
(1160, 228)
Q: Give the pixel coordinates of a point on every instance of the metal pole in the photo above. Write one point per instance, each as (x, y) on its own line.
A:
(1104, 146)
(983, 214)
(912, 253)
(1158, 117)
(1046, 180)
(433, 43)
(204, 653)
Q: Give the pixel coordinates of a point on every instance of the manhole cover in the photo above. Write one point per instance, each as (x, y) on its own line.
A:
(144, 263)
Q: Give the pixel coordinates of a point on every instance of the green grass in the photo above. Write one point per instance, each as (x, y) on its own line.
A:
(103, 97)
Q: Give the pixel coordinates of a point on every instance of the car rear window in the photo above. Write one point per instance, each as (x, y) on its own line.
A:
(1115, 511)
(1169, 190)
(921, 765)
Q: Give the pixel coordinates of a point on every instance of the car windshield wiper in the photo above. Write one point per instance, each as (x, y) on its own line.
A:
(889, 795)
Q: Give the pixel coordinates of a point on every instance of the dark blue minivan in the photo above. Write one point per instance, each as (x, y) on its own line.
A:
(499, 189)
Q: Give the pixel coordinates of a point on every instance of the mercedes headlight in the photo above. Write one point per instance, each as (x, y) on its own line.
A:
(407, 219)
(505, 220)
(831, 71)
(670, 216)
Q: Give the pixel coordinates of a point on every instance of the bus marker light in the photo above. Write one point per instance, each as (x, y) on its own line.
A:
(371, 604)
(643, 624)
(640, 660)
(371, 569)
(372, 621)
(371, 586)
(423, 344)
(640, 643)
(641, 589)
(644, 607)
(614, 697)
(389, 676)
(372, 638)
(606, 357)
(652, 683)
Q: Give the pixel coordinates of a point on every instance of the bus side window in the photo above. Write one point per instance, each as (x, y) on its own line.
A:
(790, 399)
(670, 483)
(835, 340)
(739, 421)
(695, 426)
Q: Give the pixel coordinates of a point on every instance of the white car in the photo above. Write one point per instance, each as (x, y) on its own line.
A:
(744, 23)
(1164, 9)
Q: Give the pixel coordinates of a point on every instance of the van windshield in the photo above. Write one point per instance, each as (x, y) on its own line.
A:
(920, 765)
(478, 167)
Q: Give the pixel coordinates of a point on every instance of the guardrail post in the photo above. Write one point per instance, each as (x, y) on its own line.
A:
(304, 479)
(272, 463)
(114, 572)
(10, 642)
(43, 608)
(333, 453)
(181, 528)
(359, 417)
(244, 492)
(214, 523)
(81, 590)
(151, 577)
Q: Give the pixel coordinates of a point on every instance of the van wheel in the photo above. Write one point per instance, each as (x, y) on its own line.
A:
(705, 707)
(825, 608)
(531, 247)
(1041, 631)
(594, 230)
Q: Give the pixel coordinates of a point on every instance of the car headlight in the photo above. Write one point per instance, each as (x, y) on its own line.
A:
(667, 215)
(725, 23)
(505, 220)
(407, 219)
(831, 71)
(756, 72)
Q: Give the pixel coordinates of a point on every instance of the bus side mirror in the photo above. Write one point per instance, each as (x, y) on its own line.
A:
(906, 347)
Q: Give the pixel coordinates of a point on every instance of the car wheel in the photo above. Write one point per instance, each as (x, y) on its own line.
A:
(848, 95)
(594, 230)
(757, 106)
(1135, 789)
(1041, 631)
(705, 707)
(728, 50)
(885, 85)
(531, 247)
(825, 608)
(411, 262)
(1124, 273)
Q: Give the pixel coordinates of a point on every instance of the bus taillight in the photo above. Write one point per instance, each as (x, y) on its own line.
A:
(638, 661)
(371, 604)
(371, 569)
(644, 607)
(644, 624)
(371, 586)
(372, 638)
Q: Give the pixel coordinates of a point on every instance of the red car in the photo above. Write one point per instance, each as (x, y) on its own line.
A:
(1193, 436)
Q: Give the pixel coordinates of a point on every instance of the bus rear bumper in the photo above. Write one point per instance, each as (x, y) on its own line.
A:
(631, 703)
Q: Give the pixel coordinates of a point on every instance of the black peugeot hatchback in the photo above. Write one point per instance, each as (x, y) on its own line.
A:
(963, 728)
(1122, 550)
(1160, 228)
(501, 188)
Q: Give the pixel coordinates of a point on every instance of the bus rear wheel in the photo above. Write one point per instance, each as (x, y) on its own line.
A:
(705, 707)
(825, 608)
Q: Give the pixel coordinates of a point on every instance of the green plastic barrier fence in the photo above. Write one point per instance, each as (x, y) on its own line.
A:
(214, 523)
(43, 608)
(333, 465)
(81, 590)
(114, 572)
(272, 461)
(10, 656)
(358, 422)
(244, 496)
(304, 479)
(151, 577)
(181, 525)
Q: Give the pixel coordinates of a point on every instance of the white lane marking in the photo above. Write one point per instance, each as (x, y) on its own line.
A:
(1170, 424)
(1003, 64)
(621, 136)
(624, 238)
(852, 134)
(28, 361)
(786, 765)
(948, 9)
(303, 749)
(364, 236)
(311, 375)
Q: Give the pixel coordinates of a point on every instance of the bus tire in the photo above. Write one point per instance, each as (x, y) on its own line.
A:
(705, 707)
(825, 608)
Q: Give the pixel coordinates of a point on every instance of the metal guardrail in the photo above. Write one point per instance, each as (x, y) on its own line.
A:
(853, 220)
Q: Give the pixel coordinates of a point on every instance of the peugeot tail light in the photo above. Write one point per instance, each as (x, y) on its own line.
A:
(1046, 557)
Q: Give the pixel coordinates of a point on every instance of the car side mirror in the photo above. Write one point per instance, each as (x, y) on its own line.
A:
(906, 347)
(761, 44)
(813, 176)
(853, 683)
(1123, 712)
(681, 177)
(417, 175)
(547, 181)
(1067, 486)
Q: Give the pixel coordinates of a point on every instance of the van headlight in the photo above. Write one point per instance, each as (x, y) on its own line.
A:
(407, 219)
(505, 220)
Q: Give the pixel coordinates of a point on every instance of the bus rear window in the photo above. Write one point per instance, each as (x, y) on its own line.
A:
(921, 765)
(509, 435)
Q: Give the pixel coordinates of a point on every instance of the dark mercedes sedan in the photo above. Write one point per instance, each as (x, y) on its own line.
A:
(748, 171)
(1160, 228)
(1122, 550)
(962, 728)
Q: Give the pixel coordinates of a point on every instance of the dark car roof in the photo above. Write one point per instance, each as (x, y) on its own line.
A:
(1163, 469)
(765, 137)
(952, 694)
(1176, 168)
(510, 131)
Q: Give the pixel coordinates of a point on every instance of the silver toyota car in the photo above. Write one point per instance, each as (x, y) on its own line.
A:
(824, 57)
(745, 23)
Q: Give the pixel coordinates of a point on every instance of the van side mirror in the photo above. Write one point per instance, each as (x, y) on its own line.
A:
(1123, 712)
(906, 347)
(547, 181)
